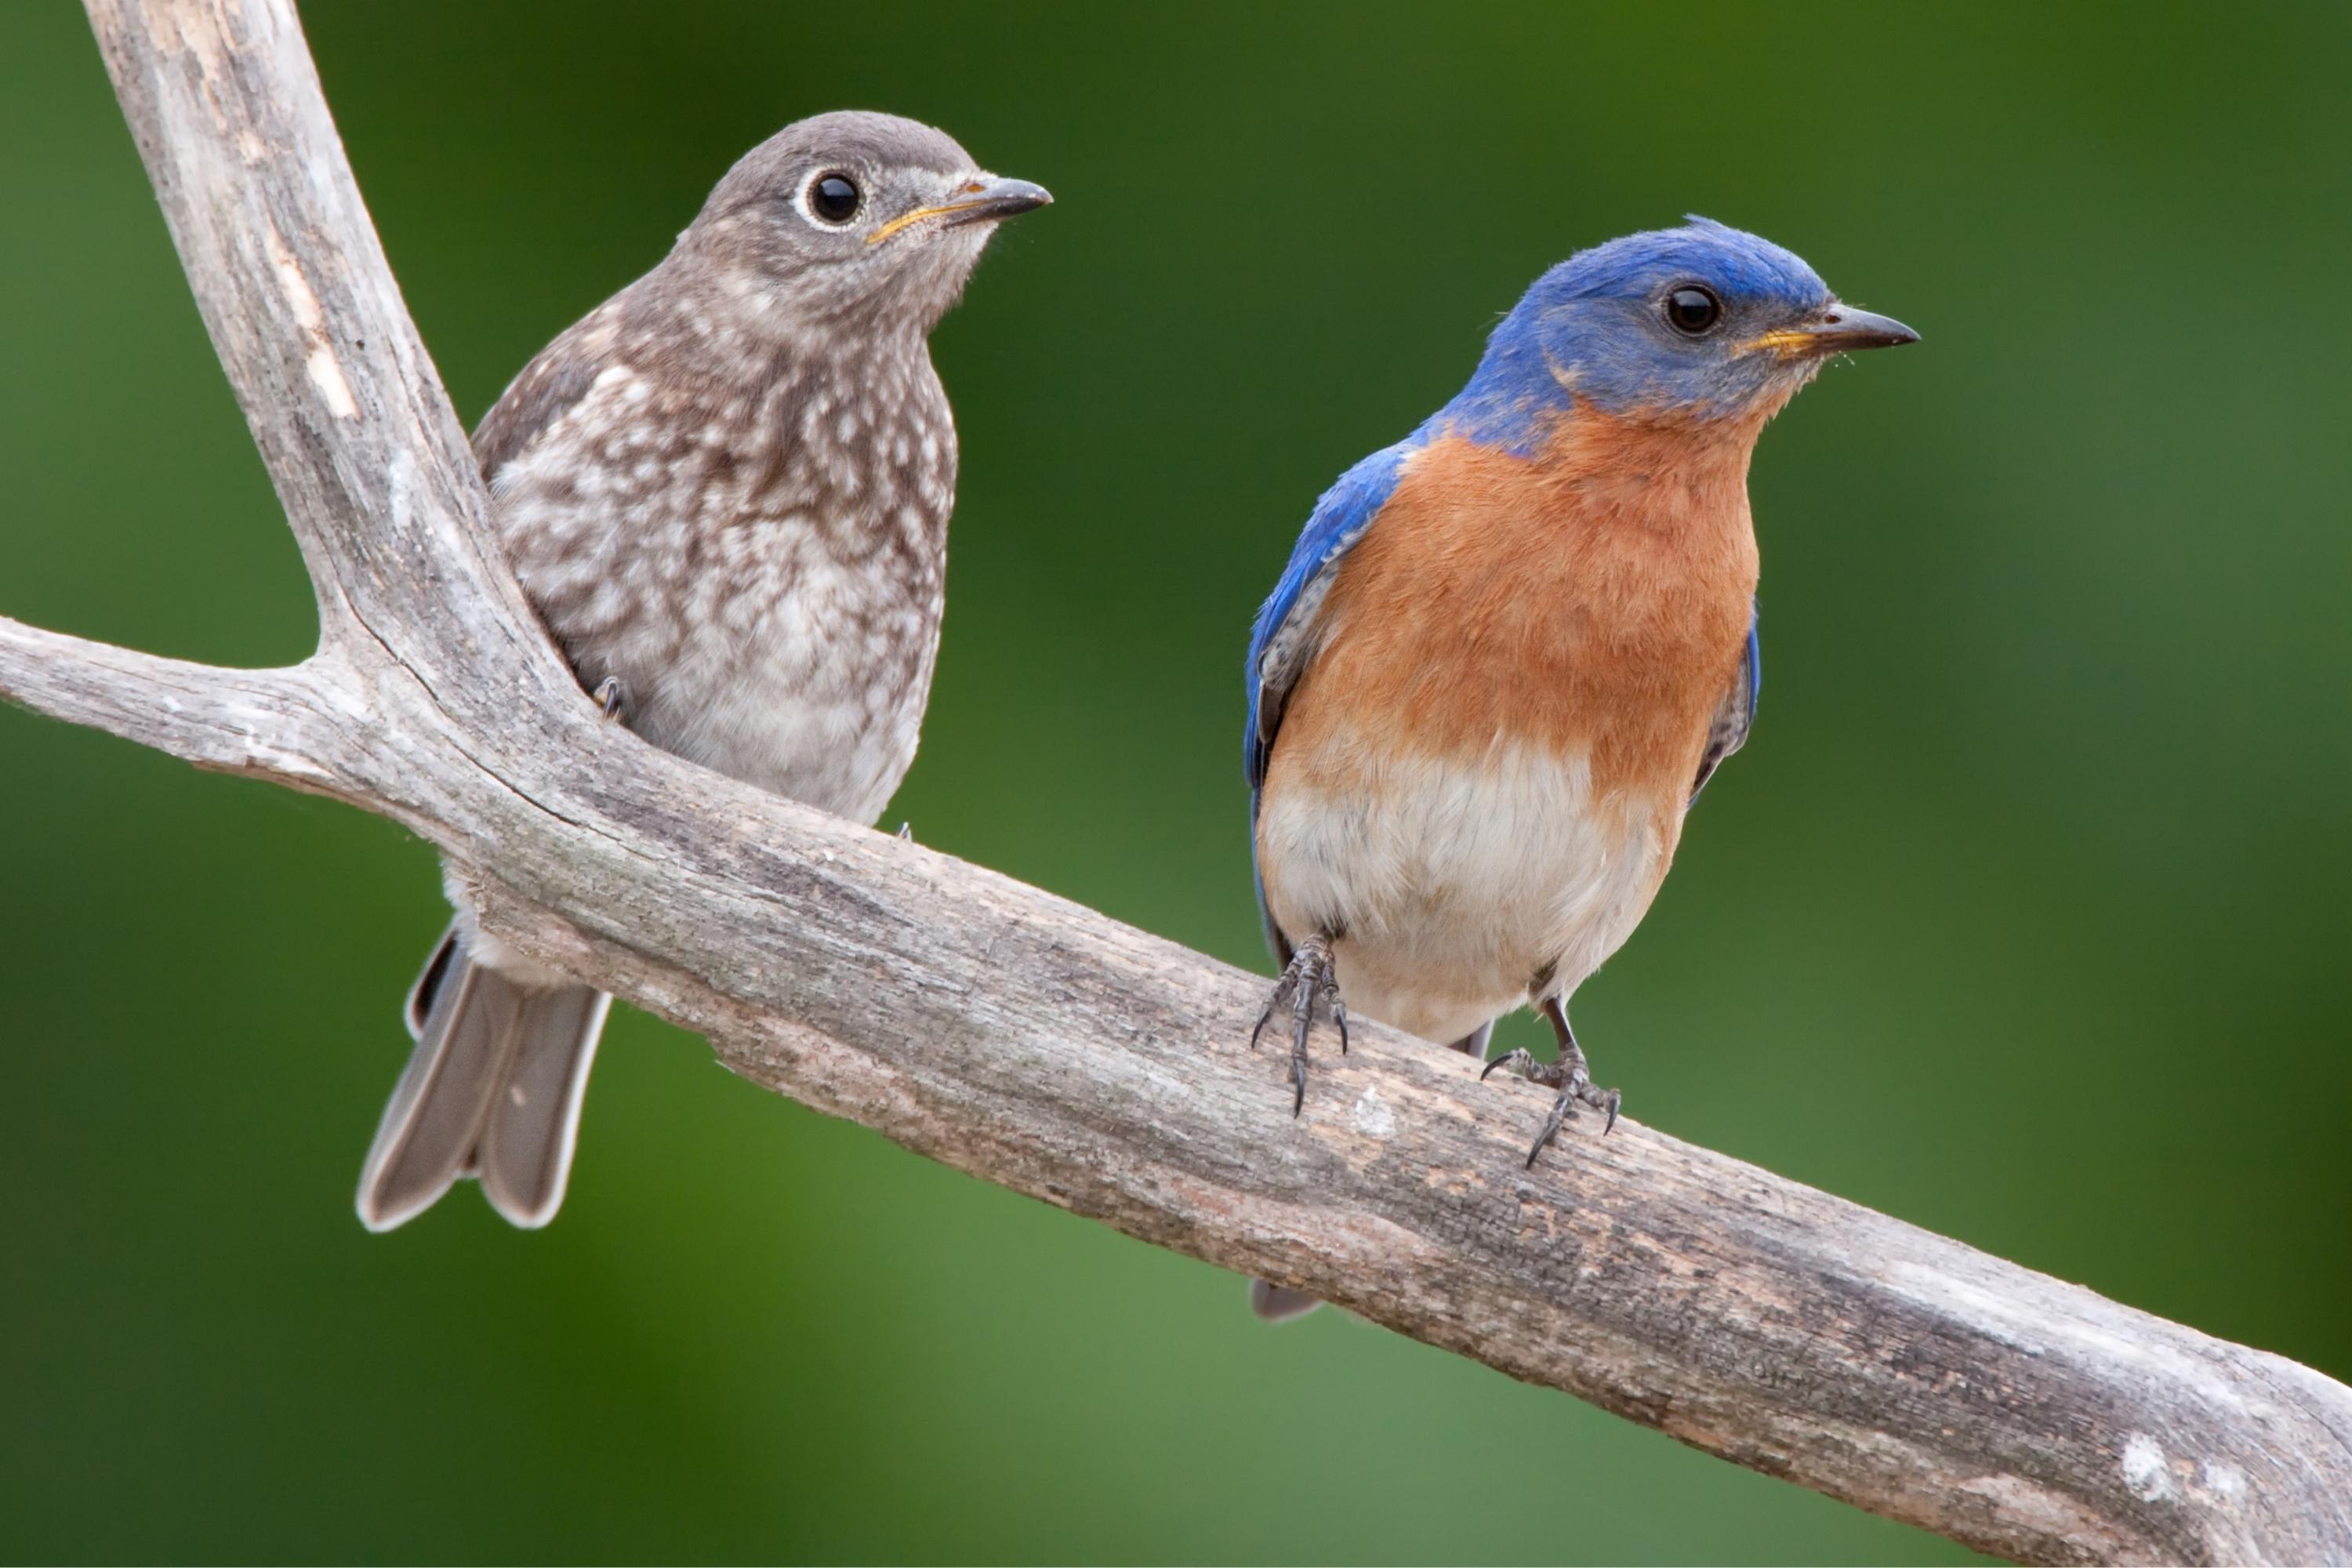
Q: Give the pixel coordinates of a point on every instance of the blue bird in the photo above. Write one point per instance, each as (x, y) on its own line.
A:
(1509, 650)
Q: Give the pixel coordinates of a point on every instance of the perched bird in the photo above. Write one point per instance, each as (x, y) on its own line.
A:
(726, 492)
(1509, 650)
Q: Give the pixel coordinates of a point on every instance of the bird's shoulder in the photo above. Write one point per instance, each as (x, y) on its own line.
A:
(1282, 638)
(658, 352)
(555, 383)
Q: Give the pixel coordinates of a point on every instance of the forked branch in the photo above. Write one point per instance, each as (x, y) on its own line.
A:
(1047, 1048)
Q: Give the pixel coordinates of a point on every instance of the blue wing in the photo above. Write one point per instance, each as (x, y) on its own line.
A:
(1289, 625)
(1284, 638)
(1737, 712)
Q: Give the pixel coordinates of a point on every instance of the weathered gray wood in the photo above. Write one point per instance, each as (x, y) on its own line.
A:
(1043, 1046)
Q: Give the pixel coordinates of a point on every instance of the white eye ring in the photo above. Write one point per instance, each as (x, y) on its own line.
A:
(832, 199)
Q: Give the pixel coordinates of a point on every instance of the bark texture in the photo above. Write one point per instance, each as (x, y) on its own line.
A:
(1043, 1046)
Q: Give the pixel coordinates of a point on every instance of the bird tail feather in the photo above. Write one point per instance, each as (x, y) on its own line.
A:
(1279, 1304)
(493, 1089)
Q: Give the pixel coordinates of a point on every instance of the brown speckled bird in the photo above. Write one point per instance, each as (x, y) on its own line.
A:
(727, 491)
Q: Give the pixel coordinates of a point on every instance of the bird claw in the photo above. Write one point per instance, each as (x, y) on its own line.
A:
(1569, 1075)
(612, 698)
(1310, 974)
(1519, 1061)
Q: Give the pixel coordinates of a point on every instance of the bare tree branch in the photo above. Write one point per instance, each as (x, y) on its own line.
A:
(1045, 1047)
(236, 720)
(342, 399)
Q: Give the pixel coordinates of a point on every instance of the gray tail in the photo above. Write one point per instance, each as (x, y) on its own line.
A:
(493, 1089)
(1280, 1303)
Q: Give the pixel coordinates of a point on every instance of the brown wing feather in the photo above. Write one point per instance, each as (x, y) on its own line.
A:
(549, 388)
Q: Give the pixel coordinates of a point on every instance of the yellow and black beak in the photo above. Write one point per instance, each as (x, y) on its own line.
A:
(1836, 331)
(983, 198)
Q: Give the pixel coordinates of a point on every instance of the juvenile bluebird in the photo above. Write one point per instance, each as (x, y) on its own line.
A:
(726, 490)
(1509, 650)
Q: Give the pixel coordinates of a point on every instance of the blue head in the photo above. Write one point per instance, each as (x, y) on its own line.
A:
(1701, 322)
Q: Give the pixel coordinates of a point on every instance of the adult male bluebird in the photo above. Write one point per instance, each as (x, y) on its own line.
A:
(726, 490)
(1509, 650)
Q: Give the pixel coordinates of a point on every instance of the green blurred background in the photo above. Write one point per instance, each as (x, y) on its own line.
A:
(2021, 918)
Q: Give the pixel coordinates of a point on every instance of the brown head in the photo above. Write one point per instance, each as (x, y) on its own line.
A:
(852, 214)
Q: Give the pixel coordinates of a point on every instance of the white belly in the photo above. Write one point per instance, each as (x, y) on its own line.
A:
(1459, 887)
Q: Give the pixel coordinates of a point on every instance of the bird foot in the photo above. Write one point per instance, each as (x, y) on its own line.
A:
(612, 698)
(1309, 976)
(1576, 1088)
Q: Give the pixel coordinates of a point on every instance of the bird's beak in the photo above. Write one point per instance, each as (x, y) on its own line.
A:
(983, 198)
(1835, 330)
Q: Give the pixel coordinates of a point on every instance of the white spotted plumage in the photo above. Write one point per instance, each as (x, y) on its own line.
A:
(768, 594)
(708, 489)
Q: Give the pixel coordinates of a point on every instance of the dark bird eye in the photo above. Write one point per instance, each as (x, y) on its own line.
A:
(833, 197)
(1693, 309)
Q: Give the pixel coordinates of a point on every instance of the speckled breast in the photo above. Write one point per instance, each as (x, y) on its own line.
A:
(762, 566)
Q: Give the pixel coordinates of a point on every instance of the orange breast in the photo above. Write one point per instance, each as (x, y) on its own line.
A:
(1593, 598)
